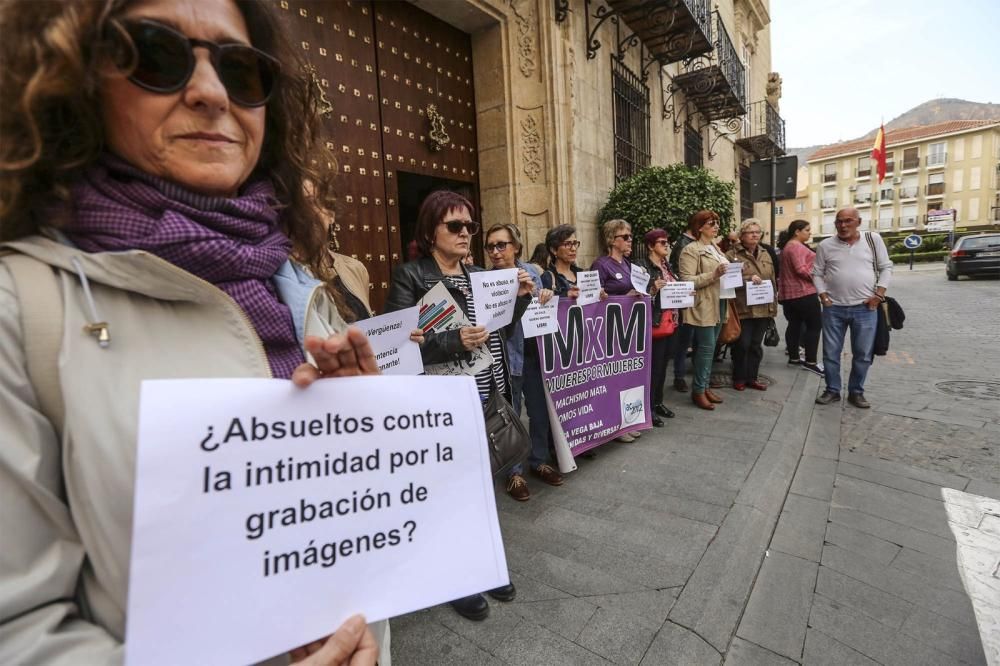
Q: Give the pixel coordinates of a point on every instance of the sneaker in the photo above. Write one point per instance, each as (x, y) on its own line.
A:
(625, 439)
(794, 361)
(827, 397)
(858, 400)
(517, 488)
(548, 474)
(814, 368)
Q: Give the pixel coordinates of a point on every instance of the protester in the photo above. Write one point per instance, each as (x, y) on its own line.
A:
(157, 185)
(704, 264)
(540, 258)
(503, 247)
(682, 337)
(561, 269)
(748, 350)
(444, 232)
(657, 250)
(797, 295)
(851, 285)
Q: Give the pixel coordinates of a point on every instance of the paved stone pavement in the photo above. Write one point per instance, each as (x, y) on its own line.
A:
(773, 530)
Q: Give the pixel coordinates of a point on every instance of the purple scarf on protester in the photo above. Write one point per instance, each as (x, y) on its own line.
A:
(233, 243)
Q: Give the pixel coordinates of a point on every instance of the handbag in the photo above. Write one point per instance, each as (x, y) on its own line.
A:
(506, 436)
(731, 330)
(892, 314)
(667, 325)
(771, 336)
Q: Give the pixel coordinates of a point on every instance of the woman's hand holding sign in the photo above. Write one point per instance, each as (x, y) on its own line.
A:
(351, 645)
(344, 355)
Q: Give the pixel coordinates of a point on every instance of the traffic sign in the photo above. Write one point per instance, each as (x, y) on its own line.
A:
(913, 241)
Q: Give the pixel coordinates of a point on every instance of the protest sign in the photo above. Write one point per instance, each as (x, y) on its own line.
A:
(265, 515)
(596, 370)
(589, 283)
(389, 335)
(640, 279)
(733, 277)
(494, 294)
(760, 294)
(677, 295)
(540, 319)
(440, 312)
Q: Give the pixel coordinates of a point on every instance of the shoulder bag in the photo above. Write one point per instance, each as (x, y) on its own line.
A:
(731, 330)
(506, 436)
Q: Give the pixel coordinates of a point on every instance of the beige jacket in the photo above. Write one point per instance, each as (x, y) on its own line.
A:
(697, 264)
(760, 265)
(66, 498)
(354, 277)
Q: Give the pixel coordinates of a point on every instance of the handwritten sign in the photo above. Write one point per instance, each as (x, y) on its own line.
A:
(760, 294)
(640, 279)
(494, 294)
(733, 276)
(676, 295)
(589, 283)
(266, 515)
(389, 335)
(440, 312)
(540, 319)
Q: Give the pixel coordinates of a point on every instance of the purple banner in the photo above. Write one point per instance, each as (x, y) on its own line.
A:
(596, 369)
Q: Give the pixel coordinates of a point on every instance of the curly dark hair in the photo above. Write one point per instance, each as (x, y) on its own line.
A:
(51, 66)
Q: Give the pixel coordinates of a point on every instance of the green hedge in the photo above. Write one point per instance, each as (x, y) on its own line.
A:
(904, 258)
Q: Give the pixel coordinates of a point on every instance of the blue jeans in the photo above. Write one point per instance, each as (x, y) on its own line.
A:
(538, 414)
(862, 322)
(705, 338)
(516, 392)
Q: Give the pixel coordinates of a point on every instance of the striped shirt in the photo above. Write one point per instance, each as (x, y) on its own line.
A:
(495, 343)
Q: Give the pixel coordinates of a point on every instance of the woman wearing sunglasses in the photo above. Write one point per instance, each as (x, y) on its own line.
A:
(704, 264)
(152, 170)
(444, 233)
(657, 251)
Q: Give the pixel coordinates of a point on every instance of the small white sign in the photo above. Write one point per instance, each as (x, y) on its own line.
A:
(676, 295)
(389, 335)
(733, 276)
(589, 283)
(265, 515)
(494, 294)
(540, 319)
(760, 294)
(640, 279)
(440, 312)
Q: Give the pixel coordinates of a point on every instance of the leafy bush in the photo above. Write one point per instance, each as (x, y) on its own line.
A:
(904, 258)
(665, 197)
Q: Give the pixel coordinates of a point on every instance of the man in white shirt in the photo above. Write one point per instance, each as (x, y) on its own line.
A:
(851, 284)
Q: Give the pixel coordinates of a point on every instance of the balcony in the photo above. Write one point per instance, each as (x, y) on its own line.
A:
(863, 173)
(890, 166)
(860, 198)
(936, 160)
(763, 131)
(886, 195)
(935, 189)
(911, 163)
(995, 216)
(909, 192)
(671, 30)
(885, 223)
(908, 222)
(828, 203)
(830, 177)
(715, 83)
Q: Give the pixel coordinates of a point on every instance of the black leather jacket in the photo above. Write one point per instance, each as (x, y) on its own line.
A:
(410, 281)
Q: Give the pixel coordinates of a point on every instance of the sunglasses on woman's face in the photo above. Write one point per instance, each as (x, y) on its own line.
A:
(626, 237)
(499, 246)
(164, 63)
(456, 226)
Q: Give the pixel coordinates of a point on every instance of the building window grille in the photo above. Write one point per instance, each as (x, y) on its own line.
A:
(746, 203)
(631, 101)
(693, 147)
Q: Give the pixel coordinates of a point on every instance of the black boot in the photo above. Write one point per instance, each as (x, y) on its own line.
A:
(472, 608)
(503, 593)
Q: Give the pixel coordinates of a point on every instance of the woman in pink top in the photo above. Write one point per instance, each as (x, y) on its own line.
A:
(798, 299)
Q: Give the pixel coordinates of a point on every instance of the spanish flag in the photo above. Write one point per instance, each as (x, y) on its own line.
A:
(878, 153)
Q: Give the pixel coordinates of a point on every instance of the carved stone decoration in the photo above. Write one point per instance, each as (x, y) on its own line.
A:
(525, 19)
(531, 148)
(773, 89)
(437, 137)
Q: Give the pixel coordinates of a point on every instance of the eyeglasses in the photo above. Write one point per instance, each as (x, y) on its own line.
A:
(662, 241)
(499, 246)
(164, 62)
(571, 245)
(712, 223)
(847, 221)
(753, 233)
(627, 237)
(456, 226)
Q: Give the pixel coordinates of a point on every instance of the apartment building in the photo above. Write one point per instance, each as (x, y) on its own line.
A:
(938, 177)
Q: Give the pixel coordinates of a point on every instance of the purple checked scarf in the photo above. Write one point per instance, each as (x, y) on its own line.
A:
(233, 243)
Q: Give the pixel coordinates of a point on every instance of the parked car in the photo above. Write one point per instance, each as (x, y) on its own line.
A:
(974, 255)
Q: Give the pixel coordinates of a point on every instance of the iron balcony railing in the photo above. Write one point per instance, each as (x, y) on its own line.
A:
(886, 195)
(911, 162)
(937, 159)
(908, 221)
(763, 130)
(861, 173)
(890, 166)
(996, 213)
(830, 177)
(862, 198)
(828, 203)
(885, 222)
(728, 60)
(909, 192)
(934, 189)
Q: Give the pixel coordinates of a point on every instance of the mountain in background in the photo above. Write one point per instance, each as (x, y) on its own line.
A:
(928, 113)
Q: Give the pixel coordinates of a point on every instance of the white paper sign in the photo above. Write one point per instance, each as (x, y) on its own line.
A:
(676, 295)
(733, 276)
(494, 294)
(389, 335)
(760, 294)
(440, 312)
(540, 319)
(265, 515)
(640, 279)
(589, 283)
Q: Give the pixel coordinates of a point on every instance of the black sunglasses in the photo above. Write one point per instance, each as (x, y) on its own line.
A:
(627, 237)
(499, 246)
(164, 62)
(455, 226)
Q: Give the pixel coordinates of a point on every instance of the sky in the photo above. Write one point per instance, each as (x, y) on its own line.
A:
(846, 65)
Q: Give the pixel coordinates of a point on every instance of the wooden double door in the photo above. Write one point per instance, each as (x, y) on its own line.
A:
(399, 111)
